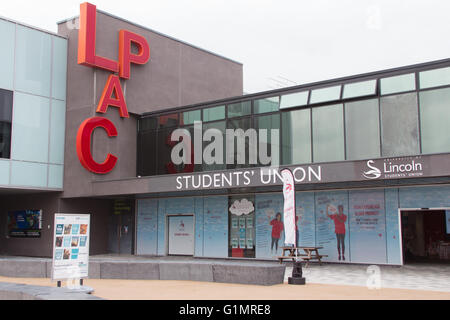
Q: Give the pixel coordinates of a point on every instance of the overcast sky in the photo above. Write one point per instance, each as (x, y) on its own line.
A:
(284, 42)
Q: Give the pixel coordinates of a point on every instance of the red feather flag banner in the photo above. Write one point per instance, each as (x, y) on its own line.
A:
(289, 206)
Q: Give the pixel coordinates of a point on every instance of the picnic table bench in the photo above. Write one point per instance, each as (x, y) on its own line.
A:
(305, 253)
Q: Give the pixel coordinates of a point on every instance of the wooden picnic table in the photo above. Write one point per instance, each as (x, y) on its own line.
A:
(305, 253)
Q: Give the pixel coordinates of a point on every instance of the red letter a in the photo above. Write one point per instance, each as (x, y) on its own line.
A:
(113, 87)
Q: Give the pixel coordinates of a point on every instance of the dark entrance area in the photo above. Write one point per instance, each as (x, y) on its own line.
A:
(425, 237)
(121, 227)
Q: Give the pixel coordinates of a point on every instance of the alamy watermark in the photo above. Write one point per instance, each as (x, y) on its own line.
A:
(234, 146)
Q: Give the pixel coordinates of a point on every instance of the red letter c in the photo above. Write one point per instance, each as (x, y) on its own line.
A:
(84, 137)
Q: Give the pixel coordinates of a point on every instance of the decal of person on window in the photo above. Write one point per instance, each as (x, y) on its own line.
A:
(277, 228)
(339, 228)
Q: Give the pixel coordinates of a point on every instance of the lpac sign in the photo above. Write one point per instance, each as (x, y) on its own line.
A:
(112, 93)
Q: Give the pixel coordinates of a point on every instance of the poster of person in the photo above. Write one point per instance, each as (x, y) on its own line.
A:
(74, 241)
(332, 225)
(59, 242)
(83, 228)
(67, 229)
(66, 254)
(269, 228)
(70, 252)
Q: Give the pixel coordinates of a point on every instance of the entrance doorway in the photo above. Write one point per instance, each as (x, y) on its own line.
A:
(181, 235)
(121, 227)
(425, 236)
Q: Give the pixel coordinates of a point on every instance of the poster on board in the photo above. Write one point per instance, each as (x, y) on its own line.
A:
(24, 224)
(71, 246)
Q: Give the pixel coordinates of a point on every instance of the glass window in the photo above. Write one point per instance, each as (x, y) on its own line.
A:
(328, 133)
(405, 82)
(57, 131)
(29, 174)
(362, 129)
(30, 128)
(399, 125)
(296, 137)
(220, 125)
(244, 124)
(325, 94)
(434, 78)
(164, 160)
(241, 224)
(4, 172)
(215, 113)
(435, 120)
(59, 68)
(6, 101)
(294, 100)
(147, 157)
(149, 123)
(239, 109)
(33, 53)
(7, 36)
(190, 116)
(360, 89)
(55, 176)
(269, 154)
(167, 121)
(266, 105)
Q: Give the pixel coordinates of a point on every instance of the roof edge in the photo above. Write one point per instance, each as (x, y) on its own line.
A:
(157, 32)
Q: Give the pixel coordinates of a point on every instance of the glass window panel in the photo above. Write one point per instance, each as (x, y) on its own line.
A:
(239, 109)
(147, 157)
(359, 89)
(33, 53)
(326, 94)
(328, 133)
(215, 113)
(270, 122)
(190, 116)
(296, 137)
(399, 125)
(28, 174)
(59, 68)
(30, 128)
(362, 125)
(7, 35)
(4, 172)
(434, 78)
(266, 105)
(167, 121)
(435, 121)
(164, 151)
(57, 131)
(6, 101)
(149, 123)
(220, 125)
(244, 124)
(55, 176)
(406, 82)
(294, 100)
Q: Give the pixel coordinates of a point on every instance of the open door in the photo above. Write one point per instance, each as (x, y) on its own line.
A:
(425, 236)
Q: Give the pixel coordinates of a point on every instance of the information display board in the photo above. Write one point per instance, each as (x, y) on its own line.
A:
(24, 224)
(71, 246)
